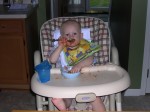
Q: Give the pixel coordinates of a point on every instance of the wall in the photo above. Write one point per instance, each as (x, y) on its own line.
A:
(127, 22)
(120, 19)
(137, 37)
(41, 13)
(41, 17)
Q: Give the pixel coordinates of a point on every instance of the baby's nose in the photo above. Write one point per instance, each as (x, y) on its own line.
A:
(71, 35)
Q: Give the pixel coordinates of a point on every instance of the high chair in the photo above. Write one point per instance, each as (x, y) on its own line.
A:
(105, 79)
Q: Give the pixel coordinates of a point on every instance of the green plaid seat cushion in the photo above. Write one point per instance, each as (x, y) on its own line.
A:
(98, 30)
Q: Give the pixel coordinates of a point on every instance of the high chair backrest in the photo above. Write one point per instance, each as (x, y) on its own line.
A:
(99, 33)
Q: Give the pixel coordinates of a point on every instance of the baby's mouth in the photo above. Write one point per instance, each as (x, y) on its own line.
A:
(71, 40)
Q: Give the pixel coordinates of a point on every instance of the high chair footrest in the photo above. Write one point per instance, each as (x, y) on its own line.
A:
(85, 97)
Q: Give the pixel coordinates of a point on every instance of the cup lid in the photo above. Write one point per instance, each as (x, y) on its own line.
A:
(44, 65)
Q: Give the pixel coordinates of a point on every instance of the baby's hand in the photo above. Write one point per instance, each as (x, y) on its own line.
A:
(75, 69)
(62, 41)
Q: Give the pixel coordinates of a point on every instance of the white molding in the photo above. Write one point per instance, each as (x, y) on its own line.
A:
(133, 92)
(146, 52)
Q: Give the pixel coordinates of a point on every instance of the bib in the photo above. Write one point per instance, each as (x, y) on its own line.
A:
(84, 50)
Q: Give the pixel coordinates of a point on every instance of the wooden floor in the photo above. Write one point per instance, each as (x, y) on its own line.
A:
(66, 111)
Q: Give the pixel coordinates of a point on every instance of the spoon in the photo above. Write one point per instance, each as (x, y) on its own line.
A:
(69, 40)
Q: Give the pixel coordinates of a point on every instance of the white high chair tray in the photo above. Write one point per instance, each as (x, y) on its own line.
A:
(101, 80)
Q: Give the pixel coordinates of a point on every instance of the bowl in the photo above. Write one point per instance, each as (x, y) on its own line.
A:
(68, 75)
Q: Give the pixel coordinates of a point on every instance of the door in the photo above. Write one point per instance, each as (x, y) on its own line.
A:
(12, 60)
(145, 84)
(148, 35)
(148, 75)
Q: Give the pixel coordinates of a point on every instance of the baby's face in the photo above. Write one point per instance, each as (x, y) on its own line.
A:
(72, 31)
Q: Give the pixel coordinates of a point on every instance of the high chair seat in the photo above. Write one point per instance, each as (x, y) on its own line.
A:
(101, 80)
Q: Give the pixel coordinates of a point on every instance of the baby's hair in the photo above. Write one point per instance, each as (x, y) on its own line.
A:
(70, 22)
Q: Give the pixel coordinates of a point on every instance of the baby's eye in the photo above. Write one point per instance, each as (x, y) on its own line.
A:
(74, 33)
(67, 35)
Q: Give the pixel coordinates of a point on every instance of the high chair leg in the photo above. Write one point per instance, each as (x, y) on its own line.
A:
(107, 103)
(112, 102)
(118, 102)
(39, 103)
(51, 107)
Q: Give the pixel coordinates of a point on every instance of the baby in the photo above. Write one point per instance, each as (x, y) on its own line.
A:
(71, 42)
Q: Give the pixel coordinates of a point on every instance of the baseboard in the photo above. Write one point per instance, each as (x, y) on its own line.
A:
(132, 92)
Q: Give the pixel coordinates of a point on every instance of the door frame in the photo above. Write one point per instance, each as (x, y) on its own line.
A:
(146, 56)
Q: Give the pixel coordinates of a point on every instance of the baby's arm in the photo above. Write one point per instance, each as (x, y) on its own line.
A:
(86, 62)
(55, 55)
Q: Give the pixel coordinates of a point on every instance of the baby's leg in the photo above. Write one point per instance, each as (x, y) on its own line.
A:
(62, 104)
(68, 102)
(59, 103)
(98, 105)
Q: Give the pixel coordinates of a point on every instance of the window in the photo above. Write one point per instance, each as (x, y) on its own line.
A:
(97, 6)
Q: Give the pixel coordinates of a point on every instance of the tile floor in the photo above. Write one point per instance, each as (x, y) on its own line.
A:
(25, 100)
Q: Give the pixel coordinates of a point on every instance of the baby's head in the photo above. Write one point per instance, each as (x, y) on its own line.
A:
(71, 29)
